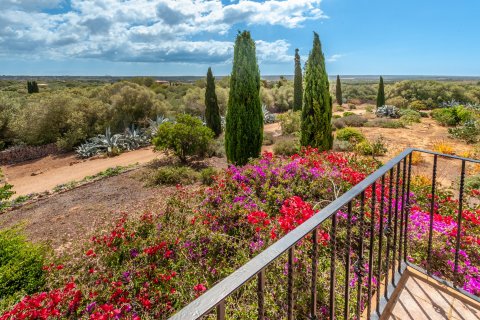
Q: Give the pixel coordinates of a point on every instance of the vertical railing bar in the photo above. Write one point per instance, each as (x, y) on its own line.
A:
(313, 288)
(333, 242)
(459, 222)
(290, 285)
(402, 213)
(394, 249)
(389, 228)
(221, 311)
(359, 267)
(261, 295)
(407, 207)
(432, 208)
(380, 243)
(347, 266)
(370, 249)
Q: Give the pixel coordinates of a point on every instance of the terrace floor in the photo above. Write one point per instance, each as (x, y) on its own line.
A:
(418, 296)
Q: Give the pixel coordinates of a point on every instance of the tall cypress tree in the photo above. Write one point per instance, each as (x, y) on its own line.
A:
(317, 102)
(297, 84)
(244, 127)
(212, 112)
(381, 94)
(338, 91)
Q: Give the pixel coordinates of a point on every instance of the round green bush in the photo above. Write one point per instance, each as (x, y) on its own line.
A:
(286, 147)
(351, 135)
(21, 265)
(173, 175)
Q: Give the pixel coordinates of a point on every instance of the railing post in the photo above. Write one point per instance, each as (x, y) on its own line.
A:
(432, 209)
(333, 242)
(359, 267)
(388, 230)
(290, 284)
(370, 249)
(407, 206)
(221, 311)
(395, 224)
(380, 243)
(313, 288)
(261, 294)
(459, 221)
(402, 213)
(347, 258)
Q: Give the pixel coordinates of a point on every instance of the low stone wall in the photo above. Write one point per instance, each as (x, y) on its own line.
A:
(24, 153)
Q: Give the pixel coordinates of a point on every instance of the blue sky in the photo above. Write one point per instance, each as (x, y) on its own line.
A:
(184, 37)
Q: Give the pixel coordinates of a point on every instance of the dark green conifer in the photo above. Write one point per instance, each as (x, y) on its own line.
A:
(317, 102)
(338, 91)
(297, 84)
(381, 94)
(244, 121)
(212, 112)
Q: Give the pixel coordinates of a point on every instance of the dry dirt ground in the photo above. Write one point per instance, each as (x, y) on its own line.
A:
(46, 173)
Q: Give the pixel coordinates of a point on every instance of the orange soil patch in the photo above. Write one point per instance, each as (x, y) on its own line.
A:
(46, 173)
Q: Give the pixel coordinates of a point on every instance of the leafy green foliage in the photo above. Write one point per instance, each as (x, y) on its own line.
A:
(351, 135)
(298, 84)
(349, 121)
(286, 147)
(317, 108)
(21, 265)
(290, 122)
(32, 87)
(338, 91)
(452, 116)
(186, 138)
(208, 175)
(244, 120)
(469, 131)
(173, 175)
(212, 112)
(381, 94)
(5, 193)
(409, 116)
(384, 123)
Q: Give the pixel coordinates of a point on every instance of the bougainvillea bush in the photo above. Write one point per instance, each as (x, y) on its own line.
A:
(152, 266)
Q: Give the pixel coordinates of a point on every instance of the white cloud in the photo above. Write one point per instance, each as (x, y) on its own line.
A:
(145, 30)
(335, 57)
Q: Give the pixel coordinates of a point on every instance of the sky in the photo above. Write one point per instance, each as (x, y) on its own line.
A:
(185, 37)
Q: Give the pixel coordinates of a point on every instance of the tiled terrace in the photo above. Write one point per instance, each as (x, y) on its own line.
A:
(421, 297)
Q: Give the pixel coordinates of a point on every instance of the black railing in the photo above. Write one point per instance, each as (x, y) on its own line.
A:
(387, 248)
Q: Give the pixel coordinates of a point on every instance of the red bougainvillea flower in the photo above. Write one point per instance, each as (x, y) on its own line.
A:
(294, 212)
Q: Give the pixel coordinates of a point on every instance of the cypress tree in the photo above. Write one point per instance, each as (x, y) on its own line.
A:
(338, 91)
(244, 127)
(212, 112)
(297, 84)
(381, 94)
(317, 102)
(29, 87)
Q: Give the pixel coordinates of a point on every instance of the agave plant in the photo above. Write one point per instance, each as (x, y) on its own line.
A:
(134, 139)
(152, 130)
(388, 112)
(86, 150)
(268, 117)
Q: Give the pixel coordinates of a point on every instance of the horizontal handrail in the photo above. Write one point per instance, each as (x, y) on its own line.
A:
(446, 155)
(210, 299)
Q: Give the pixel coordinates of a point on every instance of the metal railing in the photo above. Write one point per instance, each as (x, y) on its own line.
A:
(394, 180)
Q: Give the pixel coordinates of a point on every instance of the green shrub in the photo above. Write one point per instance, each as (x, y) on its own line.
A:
(268, 139)
(452, 116)
(173, 175)
(469, 131)
(286, 147)
(21, 265)
(472, 182)
(5, 193)
(186, 138)
(208, 176)
(369, 108)
(351, 135)
(349, 121)
(409, 116)
(424, 114)
(352, 107)
(342, 146)
(418, 105)
(374, 148)
(348, 113)
(336, 116)
(384, 123)
(290, 122)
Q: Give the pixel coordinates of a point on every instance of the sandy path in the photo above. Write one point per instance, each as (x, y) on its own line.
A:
(46, 173)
